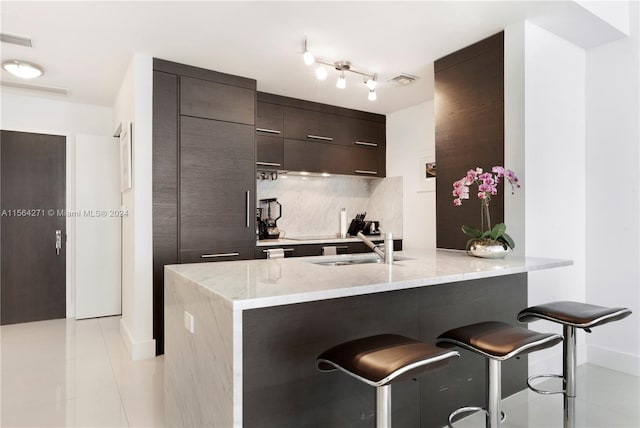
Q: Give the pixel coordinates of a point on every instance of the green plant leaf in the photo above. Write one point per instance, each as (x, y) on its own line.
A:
(485, 235)
(508, 240)
(498, 230)
(472, 232)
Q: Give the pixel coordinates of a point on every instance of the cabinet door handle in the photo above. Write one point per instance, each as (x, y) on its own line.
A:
(268, 164)
(320, 137)
(248, 208)
(211, 256)
(364, 171)
(365, 143)
(268, 131)
(284, 249)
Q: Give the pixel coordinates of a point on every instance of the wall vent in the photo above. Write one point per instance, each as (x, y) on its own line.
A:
(15, 39)
(403, 79)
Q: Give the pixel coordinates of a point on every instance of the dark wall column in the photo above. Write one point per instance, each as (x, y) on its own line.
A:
(469, 123)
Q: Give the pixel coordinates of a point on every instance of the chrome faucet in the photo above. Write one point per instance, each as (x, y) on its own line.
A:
(387, 254)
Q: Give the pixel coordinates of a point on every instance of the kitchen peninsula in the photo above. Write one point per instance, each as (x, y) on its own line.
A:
(242, 336)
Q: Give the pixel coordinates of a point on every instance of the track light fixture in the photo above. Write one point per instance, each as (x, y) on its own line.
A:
(370, 79)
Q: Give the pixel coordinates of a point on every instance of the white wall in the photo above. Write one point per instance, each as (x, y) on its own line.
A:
(97, 243)
(613, 211)
(31, 111)
(410, 139)
(134, 105)
(554, 187)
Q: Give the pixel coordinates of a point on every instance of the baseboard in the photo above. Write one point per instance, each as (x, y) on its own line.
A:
(614, 360)
(137, 350)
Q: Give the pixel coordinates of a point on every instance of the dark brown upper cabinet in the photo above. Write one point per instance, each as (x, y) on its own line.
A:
(331, 158)
(367, 133)
(212, 100)
(315, 126)
(269, 136)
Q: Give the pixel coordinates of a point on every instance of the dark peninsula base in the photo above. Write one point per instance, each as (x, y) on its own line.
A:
(282, 388)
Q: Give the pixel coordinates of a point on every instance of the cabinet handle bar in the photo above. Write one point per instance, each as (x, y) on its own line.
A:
(248, 207)
(268, 131)
(320, 137)
(364, 171)
(284, 249)
(366, 143)
(211, 256)
(268, 164)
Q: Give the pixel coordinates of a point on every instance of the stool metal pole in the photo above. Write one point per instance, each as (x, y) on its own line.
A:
(569, 374)
(494, 393)
(383, 406)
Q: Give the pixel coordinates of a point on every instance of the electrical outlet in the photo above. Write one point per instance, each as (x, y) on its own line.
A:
(189, 322)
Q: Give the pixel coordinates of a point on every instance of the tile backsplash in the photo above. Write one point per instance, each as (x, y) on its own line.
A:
(311, 205)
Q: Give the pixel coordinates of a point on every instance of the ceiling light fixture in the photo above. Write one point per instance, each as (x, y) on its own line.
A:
(308, 56)
(22, 69)
(341, 83)
(370, 79)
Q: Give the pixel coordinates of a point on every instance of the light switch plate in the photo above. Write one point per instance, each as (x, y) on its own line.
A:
(189, 322)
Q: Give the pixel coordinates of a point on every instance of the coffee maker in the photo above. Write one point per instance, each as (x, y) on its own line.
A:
(267, 222)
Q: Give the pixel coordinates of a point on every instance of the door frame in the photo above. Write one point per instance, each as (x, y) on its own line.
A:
(70, 190)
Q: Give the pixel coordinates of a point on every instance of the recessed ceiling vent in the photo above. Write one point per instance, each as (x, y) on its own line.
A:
(403, 79)
(15, 39)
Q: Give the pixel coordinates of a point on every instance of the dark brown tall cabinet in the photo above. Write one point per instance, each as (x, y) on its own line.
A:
(469, 124)
(203, 171)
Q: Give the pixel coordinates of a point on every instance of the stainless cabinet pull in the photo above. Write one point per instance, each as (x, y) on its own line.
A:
(58, 241)
(268, 164)
(268, 131)
(364, 171)
(320, 137)
(248, 208)
(211, 256)
(284, 249)
(365, 143)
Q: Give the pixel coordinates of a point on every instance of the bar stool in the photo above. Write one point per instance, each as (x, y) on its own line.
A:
(382, 360)
(497, 342)
(571, 315)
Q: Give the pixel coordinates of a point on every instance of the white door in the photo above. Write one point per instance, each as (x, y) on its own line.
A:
(97, 227)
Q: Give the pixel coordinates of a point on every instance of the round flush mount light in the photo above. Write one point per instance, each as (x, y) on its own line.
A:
(22, 69)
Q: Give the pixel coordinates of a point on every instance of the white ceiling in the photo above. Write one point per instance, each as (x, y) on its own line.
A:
(87, 46)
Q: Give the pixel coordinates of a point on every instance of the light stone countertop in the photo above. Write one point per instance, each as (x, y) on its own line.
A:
(251, 284)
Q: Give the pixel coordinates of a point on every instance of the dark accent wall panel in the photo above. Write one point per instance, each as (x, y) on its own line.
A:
(469, 124)
(165, 191)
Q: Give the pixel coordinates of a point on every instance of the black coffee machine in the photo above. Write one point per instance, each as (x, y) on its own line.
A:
(267, 223)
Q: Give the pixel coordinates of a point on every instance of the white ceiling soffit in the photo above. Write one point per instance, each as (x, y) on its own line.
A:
(87, 46)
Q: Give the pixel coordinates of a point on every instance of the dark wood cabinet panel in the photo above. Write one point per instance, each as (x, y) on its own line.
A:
(165, 190)
(217, 184)
(367, 133)
(269, 119)
(211, 100)
(216, 254)
(269, 152)
(469, 123)
(315, 126)
(334, 159)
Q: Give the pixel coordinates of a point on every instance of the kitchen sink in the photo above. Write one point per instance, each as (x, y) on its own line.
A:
(350, 260)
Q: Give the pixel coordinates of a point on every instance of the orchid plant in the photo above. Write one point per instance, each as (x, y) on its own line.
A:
(487, 183)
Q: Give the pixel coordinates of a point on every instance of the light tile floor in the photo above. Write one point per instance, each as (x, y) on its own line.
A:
(76, 374)
(67, 373)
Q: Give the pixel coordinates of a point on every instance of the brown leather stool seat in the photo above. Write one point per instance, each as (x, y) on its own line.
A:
(497, 341)
(382, 360)
(571, 315)
(576, 314)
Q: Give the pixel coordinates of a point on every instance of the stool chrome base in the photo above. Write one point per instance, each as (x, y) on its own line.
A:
(461, 410)
(544, 391)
